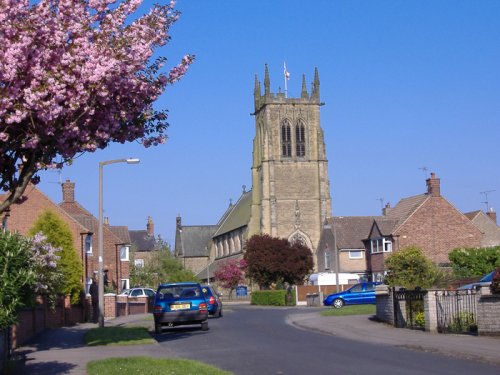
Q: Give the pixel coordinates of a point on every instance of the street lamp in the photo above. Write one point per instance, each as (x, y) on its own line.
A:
(100, 238)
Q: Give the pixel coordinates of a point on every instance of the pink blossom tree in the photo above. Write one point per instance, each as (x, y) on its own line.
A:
(75, 76)
(231, 274)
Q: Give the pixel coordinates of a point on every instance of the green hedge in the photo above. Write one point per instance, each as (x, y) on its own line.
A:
(272, 298)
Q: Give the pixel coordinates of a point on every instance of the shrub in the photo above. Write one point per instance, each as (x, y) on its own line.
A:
(269, 297)
(495, 282)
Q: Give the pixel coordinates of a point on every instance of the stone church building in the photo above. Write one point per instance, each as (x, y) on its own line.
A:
(290, 195)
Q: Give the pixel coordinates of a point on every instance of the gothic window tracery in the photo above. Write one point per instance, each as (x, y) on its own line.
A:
(286, 139)
(300, 139)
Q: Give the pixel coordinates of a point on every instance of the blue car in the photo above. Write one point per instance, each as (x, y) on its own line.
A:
(213, 300)
(180, 304)
(362, 293)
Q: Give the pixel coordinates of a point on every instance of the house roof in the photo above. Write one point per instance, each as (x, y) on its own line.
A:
(351, 230)
(194, 240)
(397, 215)
(236, 216)
(472, 215)
(142, 240)
(121, 232)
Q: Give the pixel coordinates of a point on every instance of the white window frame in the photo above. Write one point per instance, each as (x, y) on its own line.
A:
(328, 259)
(124, 253)
(356, 251)
(88, 243)
(380, 245)
(139, 263)
(125, 284)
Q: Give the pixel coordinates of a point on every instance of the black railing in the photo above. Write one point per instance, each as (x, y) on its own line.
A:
(456, 311)
(409, 309)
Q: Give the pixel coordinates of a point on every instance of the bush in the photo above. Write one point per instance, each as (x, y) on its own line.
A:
(269, 297)
(468, 263)
(495, 282)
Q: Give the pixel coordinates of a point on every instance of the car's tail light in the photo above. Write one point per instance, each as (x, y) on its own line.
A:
(211, 301)
(157, 309)
(203, 306)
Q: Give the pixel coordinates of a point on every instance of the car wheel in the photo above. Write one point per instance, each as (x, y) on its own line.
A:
(204, 326)
(157, 328)
(338, 303)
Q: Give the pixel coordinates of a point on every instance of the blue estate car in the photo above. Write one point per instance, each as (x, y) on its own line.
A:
(213, 300)
(361, 293)
(180, 304)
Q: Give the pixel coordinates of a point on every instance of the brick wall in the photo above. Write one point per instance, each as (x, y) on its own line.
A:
(488, 313)
(384, 304)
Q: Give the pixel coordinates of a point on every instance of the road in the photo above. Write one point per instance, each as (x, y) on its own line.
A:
(250, 340)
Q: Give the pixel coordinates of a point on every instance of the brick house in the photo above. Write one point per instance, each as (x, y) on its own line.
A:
(143, 243)
(487, 223)
(428, 221)
(116, 243)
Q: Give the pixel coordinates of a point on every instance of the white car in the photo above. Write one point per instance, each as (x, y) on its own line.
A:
(138, 292)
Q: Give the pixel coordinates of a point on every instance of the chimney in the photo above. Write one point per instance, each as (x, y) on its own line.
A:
(68, 191)
(492, 214)
(433, 186)
(150, 227)
(386, 209)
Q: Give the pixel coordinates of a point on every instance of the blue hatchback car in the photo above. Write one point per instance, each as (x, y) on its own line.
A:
(362, 293)
(180, 304)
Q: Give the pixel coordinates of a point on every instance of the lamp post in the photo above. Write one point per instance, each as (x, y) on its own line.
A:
(100, 238)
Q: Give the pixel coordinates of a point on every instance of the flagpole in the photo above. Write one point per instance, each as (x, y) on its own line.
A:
(284, 76)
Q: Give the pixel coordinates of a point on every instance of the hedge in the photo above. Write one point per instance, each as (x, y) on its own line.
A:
(272, 298)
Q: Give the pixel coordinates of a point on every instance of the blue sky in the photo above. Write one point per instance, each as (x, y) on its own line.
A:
(406, 85)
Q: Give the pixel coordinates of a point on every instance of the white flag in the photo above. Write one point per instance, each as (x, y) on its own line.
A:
(285, 72)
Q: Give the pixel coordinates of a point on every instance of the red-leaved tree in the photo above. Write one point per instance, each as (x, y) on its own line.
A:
(231, 274)
(76, 75)
(271, 260)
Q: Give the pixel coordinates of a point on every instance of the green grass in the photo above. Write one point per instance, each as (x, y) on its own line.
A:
(118, 336)
(350, 310)
(151, 366)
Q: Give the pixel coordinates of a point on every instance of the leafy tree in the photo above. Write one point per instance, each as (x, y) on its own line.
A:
(271, 260)
(410, 268)
(231, 274)
(58, 234)
(17, 276)
(161, 267)
(75, 76)
(27, 266)
(474, 262)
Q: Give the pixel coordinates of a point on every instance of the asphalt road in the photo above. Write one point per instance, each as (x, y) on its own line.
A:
(250, 340)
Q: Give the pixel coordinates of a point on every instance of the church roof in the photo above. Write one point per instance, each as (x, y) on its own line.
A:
(236, 216)
(194, 240)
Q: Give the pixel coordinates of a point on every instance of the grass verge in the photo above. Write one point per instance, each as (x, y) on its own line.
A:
(118, 336)
(350, 310)
(151, 366)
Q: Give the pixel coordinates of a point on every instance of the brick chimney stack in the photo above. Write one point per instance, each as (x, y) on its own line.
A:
(68, 191)
(150, 227)
(492, 215)
(386, 209)
(433, 186)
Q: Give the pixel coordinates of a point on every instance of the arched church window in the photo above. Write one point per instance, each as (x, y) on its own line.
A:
(286, 139)
(300, 140)
(299, 239)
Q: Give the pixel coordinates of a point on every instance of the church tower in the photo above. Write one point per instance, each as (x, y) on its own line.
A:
(290, 184)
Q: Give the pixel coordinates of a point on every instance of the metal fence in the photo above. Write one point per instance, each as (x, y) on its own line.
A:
(456, 311)
(409, 309)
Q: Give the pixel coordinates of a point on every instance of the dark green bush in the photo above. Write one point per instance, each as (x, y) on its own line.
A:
(272, 298)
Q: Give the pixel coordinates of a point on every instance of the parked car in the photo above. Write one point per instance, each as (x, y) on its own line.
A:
(213, 300)
(484, 281)
(180, 304)
(138, 292)
(362, 293)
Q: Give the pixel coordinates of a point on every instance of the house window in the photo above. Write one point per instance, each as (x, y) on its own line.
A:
(286, 139)
(380, 245)
(355, 254)
(88, 244)
(139, 263)
(124, 252)
(328, 259)
(87, 285)
(300, 140)
(125, 284)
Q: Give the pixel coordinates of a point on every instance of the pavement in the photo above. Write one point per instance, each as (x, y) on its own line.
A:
(62, 350)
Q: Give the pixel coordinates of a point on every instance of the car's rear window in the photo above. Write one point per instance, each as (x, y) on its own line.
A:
(179, 291)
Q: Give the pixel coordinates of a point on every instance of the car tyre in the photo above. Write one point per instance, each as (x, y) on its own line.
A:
(204, 326)
(338, 303)
(158, 328)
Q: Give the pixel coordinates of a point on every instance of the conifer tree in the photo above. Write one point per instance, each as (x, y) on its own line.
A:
(59, 235)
